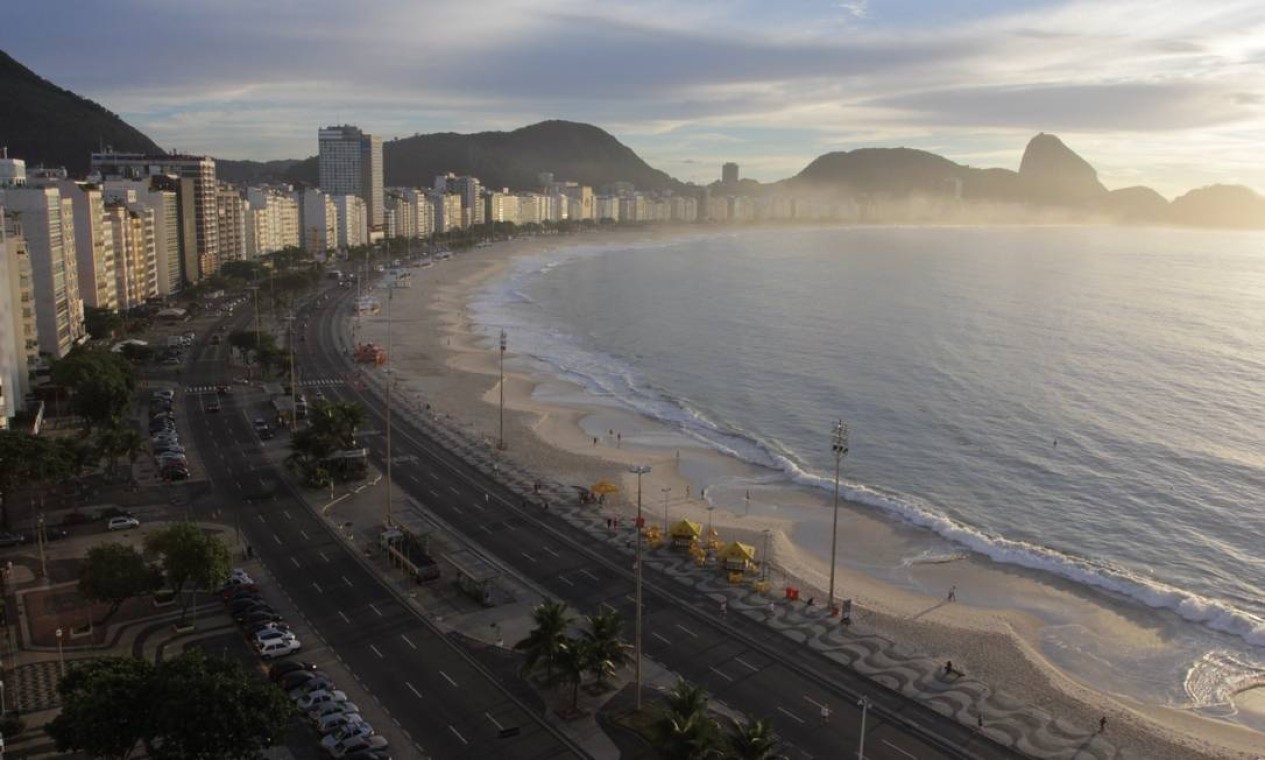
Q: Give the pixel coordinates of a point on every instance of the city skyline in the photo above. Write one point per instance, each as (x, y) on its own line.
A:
(1155, 93)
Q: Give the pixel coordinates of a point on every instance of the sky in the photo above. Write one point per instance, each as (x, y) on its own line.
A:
(1156, 92)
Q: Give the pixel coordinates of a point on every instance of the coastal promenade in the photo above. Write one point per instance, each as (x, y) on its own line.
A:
(846, 663)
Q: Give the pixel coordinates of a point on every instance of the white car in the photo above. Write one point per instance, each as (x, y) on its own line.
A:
(332, 708)
(167, 394)
(239, 577)
(336, 722)
(122, 523)
(355, 743)
(346, 735)
(279, 648)
(273, 634)
(320, 697)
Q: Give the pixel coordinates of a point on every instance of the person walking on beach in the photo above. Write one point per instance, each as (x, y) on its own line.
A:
(1102, 724)
(953, 594)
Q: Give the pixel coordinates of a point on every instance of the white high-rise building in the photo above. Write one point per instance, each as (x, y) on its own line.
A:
(272, 220)
(320, 222)
(94, 252)
(353, 218)
(350, 163)
(18, 342)
(230, 215)
(48, 229)
(131, 227)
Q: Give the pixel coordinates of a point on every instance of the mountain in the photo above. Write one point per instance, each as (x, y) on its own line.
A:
(1137, 204)
(1220, 206)
(44, 124)
(569, 150)
(895, 171)
(1051, 173)
(254, 172)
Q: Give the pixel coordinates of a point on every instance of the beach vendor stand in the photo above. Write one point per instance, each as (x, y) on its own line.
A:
(407, 546)
(736, 559)
(601, 489)
(685, 534)
(474, 576)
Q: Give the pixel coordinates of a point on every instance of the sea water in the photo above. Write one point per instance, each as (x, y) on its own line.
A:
(1085, 402)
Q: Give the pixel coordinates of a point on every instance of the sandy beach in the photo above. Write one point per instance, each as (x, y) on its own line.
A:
(553, 429)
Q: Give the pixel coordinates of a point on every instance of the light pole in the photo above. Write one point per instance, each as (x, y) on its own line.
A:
(665, 491)
(40, 535)
(839, 446)
(501, 443)
(864, 704)
(764, 563)
(390, 379)
(61, 657)
(639, 470)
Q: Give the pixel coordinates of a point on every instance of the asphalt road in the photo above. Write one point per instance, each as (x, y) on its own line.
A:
(742, 663)
(442, 698)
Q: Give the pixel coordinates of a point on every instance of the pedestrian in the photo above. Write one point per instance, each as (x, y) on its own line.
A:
(608, 523)
(810, 602)
(687, 492)
(619, 439)
(979, 720)
(594, 440)
(825, 714)
(486, 498)
(948, 667)
(772, 609)
(953, 594)
(1102, 724)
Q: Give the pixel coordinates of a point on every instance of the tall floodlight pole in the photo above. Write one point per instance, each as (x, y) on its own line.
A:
(639, 470)
(390, 380)
(864, 704)
(501, 443)
(840, 448)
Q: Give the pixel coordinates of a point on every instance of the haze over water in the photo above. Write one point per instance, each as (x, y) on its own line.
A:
(1083, 401)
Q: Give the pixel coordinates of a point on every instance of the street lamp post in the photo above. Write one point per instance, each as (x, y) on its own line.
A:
(501, 443)
(61, 657)
(864, 704)
(390, 379)
(639, 470)
(839, 446)
(764, 562)
(665, 491)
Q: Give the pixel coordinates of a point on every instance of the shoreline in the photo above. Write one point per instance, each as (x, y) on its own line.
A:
(550, 426)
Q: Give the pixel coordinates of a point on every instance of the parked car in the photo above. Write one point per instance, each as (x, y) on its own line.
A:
(262, 428)
(357, 743)
(279, 648)
(272, 634)
(12, 539)
(214, 406)
(282, 669)
(331, 708)
(259, 615)
(320, 683)
(175, 473)
(222, 389)
(268, 625)
(321, 697)
(232, 593)
(122, 523)
(165, 393)
(291, 681)
(247, 604)
(345, 735)
(333, 722)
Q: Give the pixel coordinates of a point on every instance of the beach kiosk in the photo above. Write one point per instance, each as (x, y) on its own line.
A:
(407, 546)
(685, 534)
(737, 558)
(474, 576)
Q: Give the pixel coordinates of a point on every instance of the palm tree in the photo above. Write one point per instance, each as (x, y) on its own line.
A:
(604, 643)
(546, 643)
(685, 730)
(339, 421)
(753, 739)
(572, 663)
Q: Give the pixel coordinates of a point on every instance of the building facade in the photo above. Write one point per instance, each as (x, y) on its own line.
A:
(45, 219)
(350, 163)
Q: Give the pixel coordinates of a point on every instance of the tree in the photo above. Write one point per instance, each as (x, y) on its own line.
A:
(100, 323)
(685, 730)
(246, 271)
(572, 662)
(120, 440)
(205, 707)
(605, 646)
(189, 555)
(753, 739)
(102, 383)
(545, 645)
(137, 354)
(191, 707)
(30, 459)
(105, 707)
(114, 573)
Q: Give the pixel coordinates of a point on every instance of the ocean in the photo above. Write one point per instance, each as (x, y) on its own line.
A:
(1084, 402)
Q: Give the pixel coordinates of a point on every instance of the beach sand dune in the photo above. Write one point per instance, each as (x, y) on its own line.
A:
(448, 366)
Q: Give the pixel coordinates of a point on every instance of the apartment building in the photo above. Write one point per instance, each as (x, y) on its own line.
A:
(46, 222)
(350, 163)
(230, 217)
(319, 222)
(353, 221)
(131, 229)
(94, 252)
(19, 344)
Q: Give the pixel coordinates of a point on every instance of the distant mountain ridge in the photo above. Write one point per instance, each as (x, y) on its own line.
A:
(44, 124)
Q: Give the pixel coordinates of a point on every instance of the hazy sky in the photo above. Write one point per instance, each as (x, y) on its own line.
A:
(1169, 94)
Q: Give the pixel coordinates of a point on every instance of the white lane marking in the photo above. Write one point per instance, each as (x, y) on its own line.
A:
(722, 675)
(687, 630)
(375, 609)
(376, 651)
(433, 493)
(305, 536)
(485, 529)
(345, 580)
(746, 665)
(239, 485)
(563, 578)
(416, 693)
(489, 717)
(813, 702)
(528, 557)
(477, 506)
(590, 575)
(447, 678)
(276, 538)
(630, 598)
(286, 512)
(898, 749)
(343, 615)
(408, 641)
(549, 551)
(791, 715)
(295, 561)
(457, 734)
(317, 586)
(660, 638)
(433, 474)
(323, 556)
(454, 490)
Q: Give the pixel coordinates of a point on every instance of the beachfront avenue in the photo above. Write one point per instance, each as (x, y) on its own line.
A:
(743, 664)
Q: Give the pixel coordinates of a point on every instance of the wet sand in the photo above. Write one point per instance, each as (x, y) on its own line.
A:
(993, 628)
